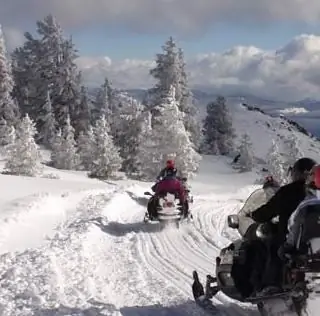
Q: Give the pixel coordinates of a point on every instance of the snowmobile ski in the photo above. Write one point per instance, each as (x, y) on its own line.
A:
(207, 305)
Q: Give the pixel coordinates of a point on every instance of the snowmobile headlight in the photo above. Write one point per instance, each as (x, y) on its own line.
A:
(263, 231)
(233, 221)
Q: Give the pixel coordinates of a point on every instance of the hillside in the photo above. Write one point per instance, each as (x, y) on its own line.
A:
(76, 246)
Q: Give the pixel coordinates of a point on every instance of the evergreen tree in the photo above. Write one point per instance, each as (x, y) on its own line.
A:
(8, 107)
(170, 71)
(48, 123)
(245, 162)
(168, 138)
(106, 160)
(4, 132)
(276, 163)
(83, 113)
(47, 62)
(86, 147)
(217, 129)
(104, 102)
(24, 156)
(65, 155)
(57, 150)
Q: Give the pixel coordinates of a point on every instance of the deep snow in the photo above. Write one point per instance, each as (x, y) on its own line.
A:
(76, 246)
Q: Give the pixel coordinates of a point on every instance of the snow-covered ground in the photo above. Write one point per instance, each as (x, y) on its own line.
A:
(76, 246)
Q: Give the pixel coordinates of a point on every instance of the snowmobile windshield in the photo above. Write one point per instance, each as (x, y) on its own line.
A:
(254, 201)
(257, 199)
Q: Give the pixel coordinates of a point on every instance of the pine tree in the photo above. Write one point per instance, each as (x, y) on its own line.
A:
(106, 160)
(48, 123)
(43, 63)
(4, 131)
(57, 150)
(276, 163)
(170, 71)
(104, 102)
(65, 155)
(24, 155)
(83, 113)
(168, 138)
(86, 147)
(245, 162)
(8, 107)
(187, 103)
(217, 129)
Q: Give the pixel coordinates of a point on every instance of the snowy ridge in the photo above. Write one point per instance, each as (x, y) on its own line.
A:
(262, 129)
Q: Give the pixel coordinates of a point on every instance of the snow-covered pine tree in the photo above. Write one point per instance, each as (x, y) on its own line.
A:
(24, 156)
(86, 147)
(217, 128)
(245, 162)
(106, 160)
(170, 71)
(104, 102)
(168, 138)
(276, 164)
(8, 107)
(47, 61)
(128, 121)
(36, 69)
(187, 104)
(48, 123)
(83, 113)
(65, 155)
(4, 131)
(57, 150)
(210, 131)
(69, 96)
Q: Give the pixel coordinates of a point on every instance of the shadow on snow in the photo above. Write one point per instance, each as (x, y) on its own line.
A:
(181, 309)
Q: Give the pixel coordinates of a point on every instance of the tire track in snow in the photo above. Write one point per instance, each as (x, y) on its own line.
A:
(174, 254)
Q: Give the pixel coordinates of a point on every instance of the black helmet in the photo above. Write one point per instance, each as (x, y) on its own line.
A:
(301, 168)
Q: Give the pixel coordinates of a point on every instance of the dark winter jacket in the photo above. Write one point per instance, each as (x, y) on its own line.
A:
(167, 172)
(282, 204)
(171, 185)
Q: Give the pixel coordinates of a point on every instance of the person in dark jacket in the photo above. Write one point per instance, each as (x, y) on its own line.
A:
(282, 204)
(169, 170)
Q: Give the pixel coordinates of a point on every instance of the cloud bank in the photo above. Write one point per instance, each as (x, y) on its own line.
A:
(158, 15)
(290, 73)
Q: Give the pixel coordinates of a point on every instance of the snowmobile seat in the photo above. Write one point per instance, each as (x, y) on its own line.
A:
(308, 239)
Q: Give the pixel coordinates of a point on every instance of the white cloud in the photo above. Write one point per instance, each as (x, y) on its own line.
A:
(289, 73)
(157, 15)
(13, 38)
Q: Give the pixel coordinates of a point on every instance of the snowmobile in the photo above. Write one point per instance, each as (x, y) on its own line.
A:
(300, 271)
(169, 209)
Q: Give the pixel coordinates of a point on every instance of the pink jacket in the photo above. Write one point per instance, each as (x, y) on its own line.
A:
(171, 185)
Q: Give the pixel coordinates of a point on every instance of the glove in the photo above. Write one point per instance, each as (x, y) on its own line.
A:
(286, 251)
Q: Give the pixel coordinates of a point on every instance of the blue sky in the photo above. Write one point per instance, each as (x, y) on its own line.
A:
(120, 43)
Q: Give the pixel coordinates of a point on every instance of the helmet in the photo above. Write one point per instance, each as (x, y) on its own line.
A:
(313, 180)
(300, 170)
(269, 181)
(170, 164)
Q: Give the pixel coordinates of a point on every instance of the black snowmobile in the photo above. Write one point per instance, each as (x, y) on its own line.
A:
(233, 273)
(168, 210)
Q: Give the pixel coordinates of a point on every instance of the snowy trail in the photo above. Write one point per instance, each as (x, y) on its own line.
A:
(103, 260)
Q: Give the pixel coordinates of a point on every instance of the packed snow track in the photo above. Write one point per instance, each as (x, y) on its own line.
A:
(103, 260)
